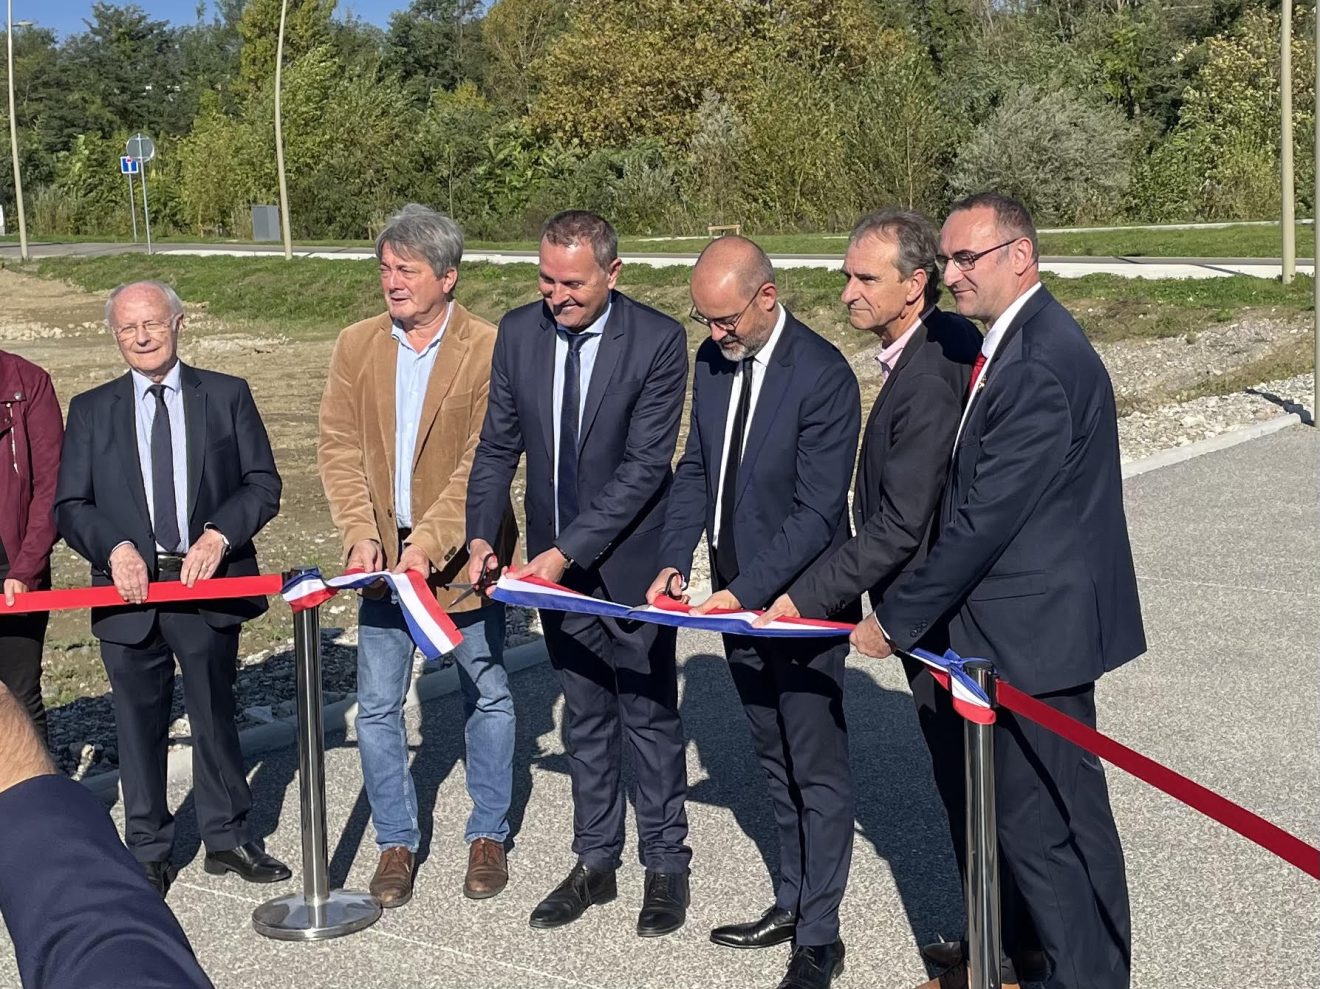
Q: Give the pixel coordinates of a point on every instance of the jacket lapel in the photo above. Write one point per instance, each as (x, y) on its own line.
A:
(768, 400)
(914, 344)
(543, 360)
(453, 348)
(194, 425)
(124, 425)
(602, 372)
(384, 365)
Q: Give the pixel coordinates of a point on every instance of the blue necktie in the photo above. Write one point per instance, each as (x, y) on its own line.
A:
(569, 412)
(162, 476)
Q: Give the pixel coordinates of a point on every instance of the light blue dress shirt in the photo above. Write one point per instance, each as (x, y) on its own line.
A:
(587, 362)
(145, 415)
(412, 373)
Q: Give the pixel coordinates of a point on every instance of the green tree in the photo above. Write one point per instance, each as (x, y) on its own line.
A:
(307, 27)
(437, 44)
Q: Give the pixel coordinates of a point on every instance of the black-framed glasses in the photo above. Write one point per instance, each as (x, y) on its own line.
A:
(966, 260)
(726, 324)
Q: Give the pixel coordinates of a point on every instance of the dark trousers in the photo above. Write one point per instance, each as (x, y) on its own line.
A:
(142, 678)
(792, 691)
(21, 640)
(621, 689)
(1059, 844)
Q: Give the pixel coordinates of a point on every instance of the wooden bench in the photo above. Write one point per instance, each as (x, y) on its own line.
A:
(720, 231)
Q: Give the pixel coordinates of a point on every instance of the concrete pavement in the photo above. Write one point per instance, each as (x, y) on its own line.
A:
(1227, 550)
(1064, 267)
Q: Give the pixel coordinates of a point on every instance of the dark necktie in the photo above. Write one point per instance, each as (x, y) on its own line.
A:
(726, 554)
(162, 475)
(566, 482)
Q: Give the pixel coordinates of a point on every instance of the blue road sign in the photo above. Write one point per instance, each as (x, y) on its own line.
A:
(128, 166)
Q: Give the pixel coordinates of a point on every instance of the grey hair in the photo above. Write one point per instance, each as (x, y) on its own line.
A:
(915, 237)
(1012, 218)
(419, 231)
(164, 288)
(575, 226)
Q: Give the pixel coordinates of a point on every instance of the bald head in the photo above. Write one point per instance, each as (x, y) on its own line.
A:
(733, 292)
(735, 259)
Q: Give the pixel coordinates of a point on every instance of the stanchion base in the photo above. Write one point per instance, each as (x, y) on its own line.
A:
(291, 918)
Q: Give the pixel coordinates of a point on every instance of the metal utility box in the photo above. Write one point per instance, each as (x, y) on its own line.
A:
(266, 223)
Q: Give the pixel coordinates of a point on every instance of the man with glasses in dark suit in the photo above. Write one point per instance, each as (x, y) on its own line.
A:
(167, 474)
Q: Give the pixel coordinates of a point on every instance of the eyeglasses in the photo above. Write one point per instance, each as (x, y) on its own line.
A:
(727, 324)
(154, 327)
(966, 260)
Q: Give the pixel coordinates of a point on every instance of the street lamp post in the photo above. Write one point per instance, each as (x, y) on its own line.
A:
(13, 130)
(1289, 260)
(279, 136)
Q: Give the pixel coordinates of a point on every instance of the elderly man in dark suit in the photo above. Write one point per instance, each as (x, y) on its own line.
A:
(775, 415)
(167, 474)
(589, 385)
(1034, 565)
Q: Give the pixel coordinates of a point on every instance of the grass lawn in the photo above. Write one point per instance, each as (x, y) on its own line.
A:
(314, 298)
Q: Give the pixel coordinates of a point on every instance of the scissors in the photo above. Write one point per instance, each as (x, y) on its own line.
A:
(673, 590)
(490, 572)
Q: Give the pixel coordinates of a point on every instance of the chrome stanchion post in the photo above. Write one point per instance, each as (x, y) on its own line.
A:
(982, 843)
(317, 912)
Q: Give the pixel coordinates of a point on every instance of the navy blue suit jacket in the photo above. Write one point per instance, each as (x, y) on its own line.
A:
(797, 463)
(232, 483)
(902, 467)
(78, 907)
(1033, 564)
(625, 445)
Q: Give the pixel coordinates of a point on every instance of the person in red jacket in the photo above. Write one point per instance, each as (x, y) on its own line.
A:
(31, 431)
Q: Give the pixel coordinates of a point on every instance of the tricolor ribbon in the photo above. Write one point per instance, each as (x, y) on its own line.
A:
(431, 629)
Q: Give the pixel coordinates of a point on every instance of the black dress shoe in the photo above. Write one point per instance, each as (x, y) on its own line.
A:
(251, 863)
(814, 966)
(664, 903)
(1029, 966)
(570, 899)
(161, 875)
(776, 926)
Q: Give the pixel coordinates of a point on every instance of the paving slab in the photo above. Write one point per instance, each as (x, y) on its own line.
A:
(1228, 555)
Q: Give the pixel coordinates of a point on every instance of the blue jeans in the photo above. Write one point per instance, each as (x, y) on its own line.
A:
(385, 651)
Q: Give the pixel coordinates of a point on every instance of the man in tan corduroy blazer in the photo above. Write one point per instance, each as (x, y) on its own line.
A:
(400, 418)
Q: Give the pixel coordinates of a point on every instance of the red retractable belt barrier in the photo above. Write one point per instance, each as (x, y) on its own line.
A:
(158, 592)
(1269, 836)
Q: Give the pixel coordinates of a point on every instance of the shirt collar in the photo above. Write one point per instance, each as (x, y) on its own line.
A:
(888, 357)
(597, 327)
(762, 356)
(400, 334)
(141, 382)
(1000, 326)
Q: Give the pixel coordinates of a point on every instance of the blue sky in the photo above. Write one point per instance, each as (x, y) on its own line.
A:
(66, 16)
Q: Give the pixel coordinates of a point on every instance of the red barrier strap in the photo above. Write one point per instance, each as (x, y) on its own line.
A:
(1269, 836)
(158, 592)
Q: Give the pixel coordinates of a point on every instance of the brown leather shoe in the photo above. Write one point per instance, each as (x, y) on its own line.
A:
(487, 871)
(956, 978)
(392, 884)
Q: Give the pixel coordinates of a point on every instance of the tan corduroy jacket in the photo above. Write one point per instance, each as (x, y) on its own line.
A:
(355, 454)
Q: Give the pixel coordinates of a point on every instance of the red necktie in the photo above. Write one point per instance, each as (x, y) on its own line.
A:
(977, 366)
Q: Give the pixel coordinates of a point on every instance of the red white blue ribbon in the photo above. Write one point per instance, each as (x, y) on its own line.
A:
(969, 699)
(432, 630)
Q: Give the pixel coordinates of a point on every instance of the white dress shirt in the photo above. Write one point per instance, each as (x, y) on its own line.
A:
(762, 364)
